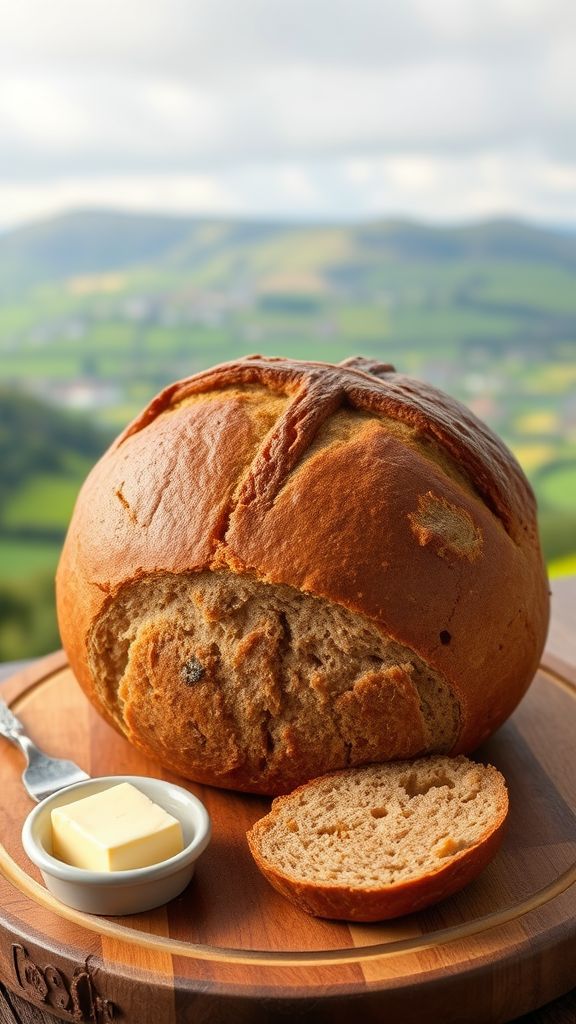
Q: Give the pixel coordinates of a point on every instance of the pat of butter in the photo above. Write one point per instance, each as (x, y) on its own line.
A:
(115, 830)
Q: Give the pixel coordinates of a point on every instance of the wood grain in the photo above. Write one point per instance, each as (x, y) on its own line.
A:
(231, 948)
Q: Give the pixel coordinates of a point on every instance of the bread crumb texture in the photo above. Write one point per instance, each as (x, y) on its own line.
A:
(260, 686)
(381, 825)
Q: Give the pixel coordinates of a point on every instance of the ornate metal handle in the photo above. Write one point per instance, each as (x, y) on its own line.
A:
(10, 726)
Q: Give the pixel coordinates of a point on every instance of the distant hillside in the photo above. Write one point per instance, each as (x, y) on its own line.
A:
(491, 240)
(96, 242)
(45, 453)
(83, 243)
(36, 438)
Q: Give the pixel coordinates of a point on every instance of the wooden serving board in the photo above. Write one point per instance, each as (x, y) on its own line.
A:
(231, 949)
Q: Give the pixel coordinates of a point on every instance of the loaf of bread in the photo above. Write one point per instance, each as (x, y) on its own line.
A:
(284, 568)
(370, 843)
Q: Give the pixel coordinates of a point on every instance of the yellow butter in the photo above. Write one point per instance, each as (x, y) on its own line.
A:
(115, 830)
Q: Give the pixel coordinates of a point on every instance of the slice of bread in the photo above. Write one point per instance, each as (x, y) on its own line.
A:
(384, 840)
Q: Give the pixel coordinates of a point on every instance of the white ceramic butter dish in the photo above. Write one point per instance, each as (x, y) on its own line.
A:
(119, 892)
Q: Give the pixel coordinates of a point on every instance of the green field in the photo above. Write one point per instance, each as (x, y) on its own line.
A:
(21, 560)
(557, 487)
(44, 501)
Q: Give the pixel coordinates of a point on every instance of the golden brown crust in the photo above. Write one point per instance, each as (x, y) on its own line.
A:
(214, 474)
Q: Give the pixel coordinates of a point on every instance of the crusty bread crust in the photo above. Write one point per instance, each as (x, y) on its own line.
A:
(348, 904)
(338, 900)
(351, 483)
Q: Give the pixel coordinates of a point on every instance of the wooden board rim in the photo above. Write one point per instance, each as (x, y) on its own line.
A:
(559, 939)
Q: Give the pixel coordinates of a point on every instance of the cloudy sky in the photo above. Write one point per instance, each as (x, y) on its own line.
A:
(440, 109)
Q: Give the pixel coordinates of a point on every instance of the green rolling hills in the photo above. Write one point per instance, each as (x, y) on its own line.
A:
(99, 310)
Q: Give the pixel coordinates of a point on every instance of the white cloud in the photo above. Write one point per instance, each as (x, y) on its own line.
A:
(290, 105)
(468, 187)
(186, 37)
(202, 194)
(41, 112)
(297, 185)
(413, 173)
(436, 189)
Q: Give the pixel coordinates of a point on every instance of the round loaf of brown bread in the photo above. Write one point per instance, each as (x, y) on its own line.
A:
(284, 568)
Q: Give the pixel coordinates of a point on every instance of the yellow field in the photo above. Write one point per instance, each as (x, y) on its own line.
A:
(562, 567)
(541, 422)
(532, 456)
(97, 284)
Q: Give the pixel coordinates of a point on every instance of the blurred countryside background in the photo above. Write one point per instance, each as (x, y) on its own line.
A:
(182, 183)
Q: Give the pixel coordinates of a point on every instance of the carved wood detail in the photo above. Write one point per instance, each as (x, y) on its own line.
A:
(74, 997)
